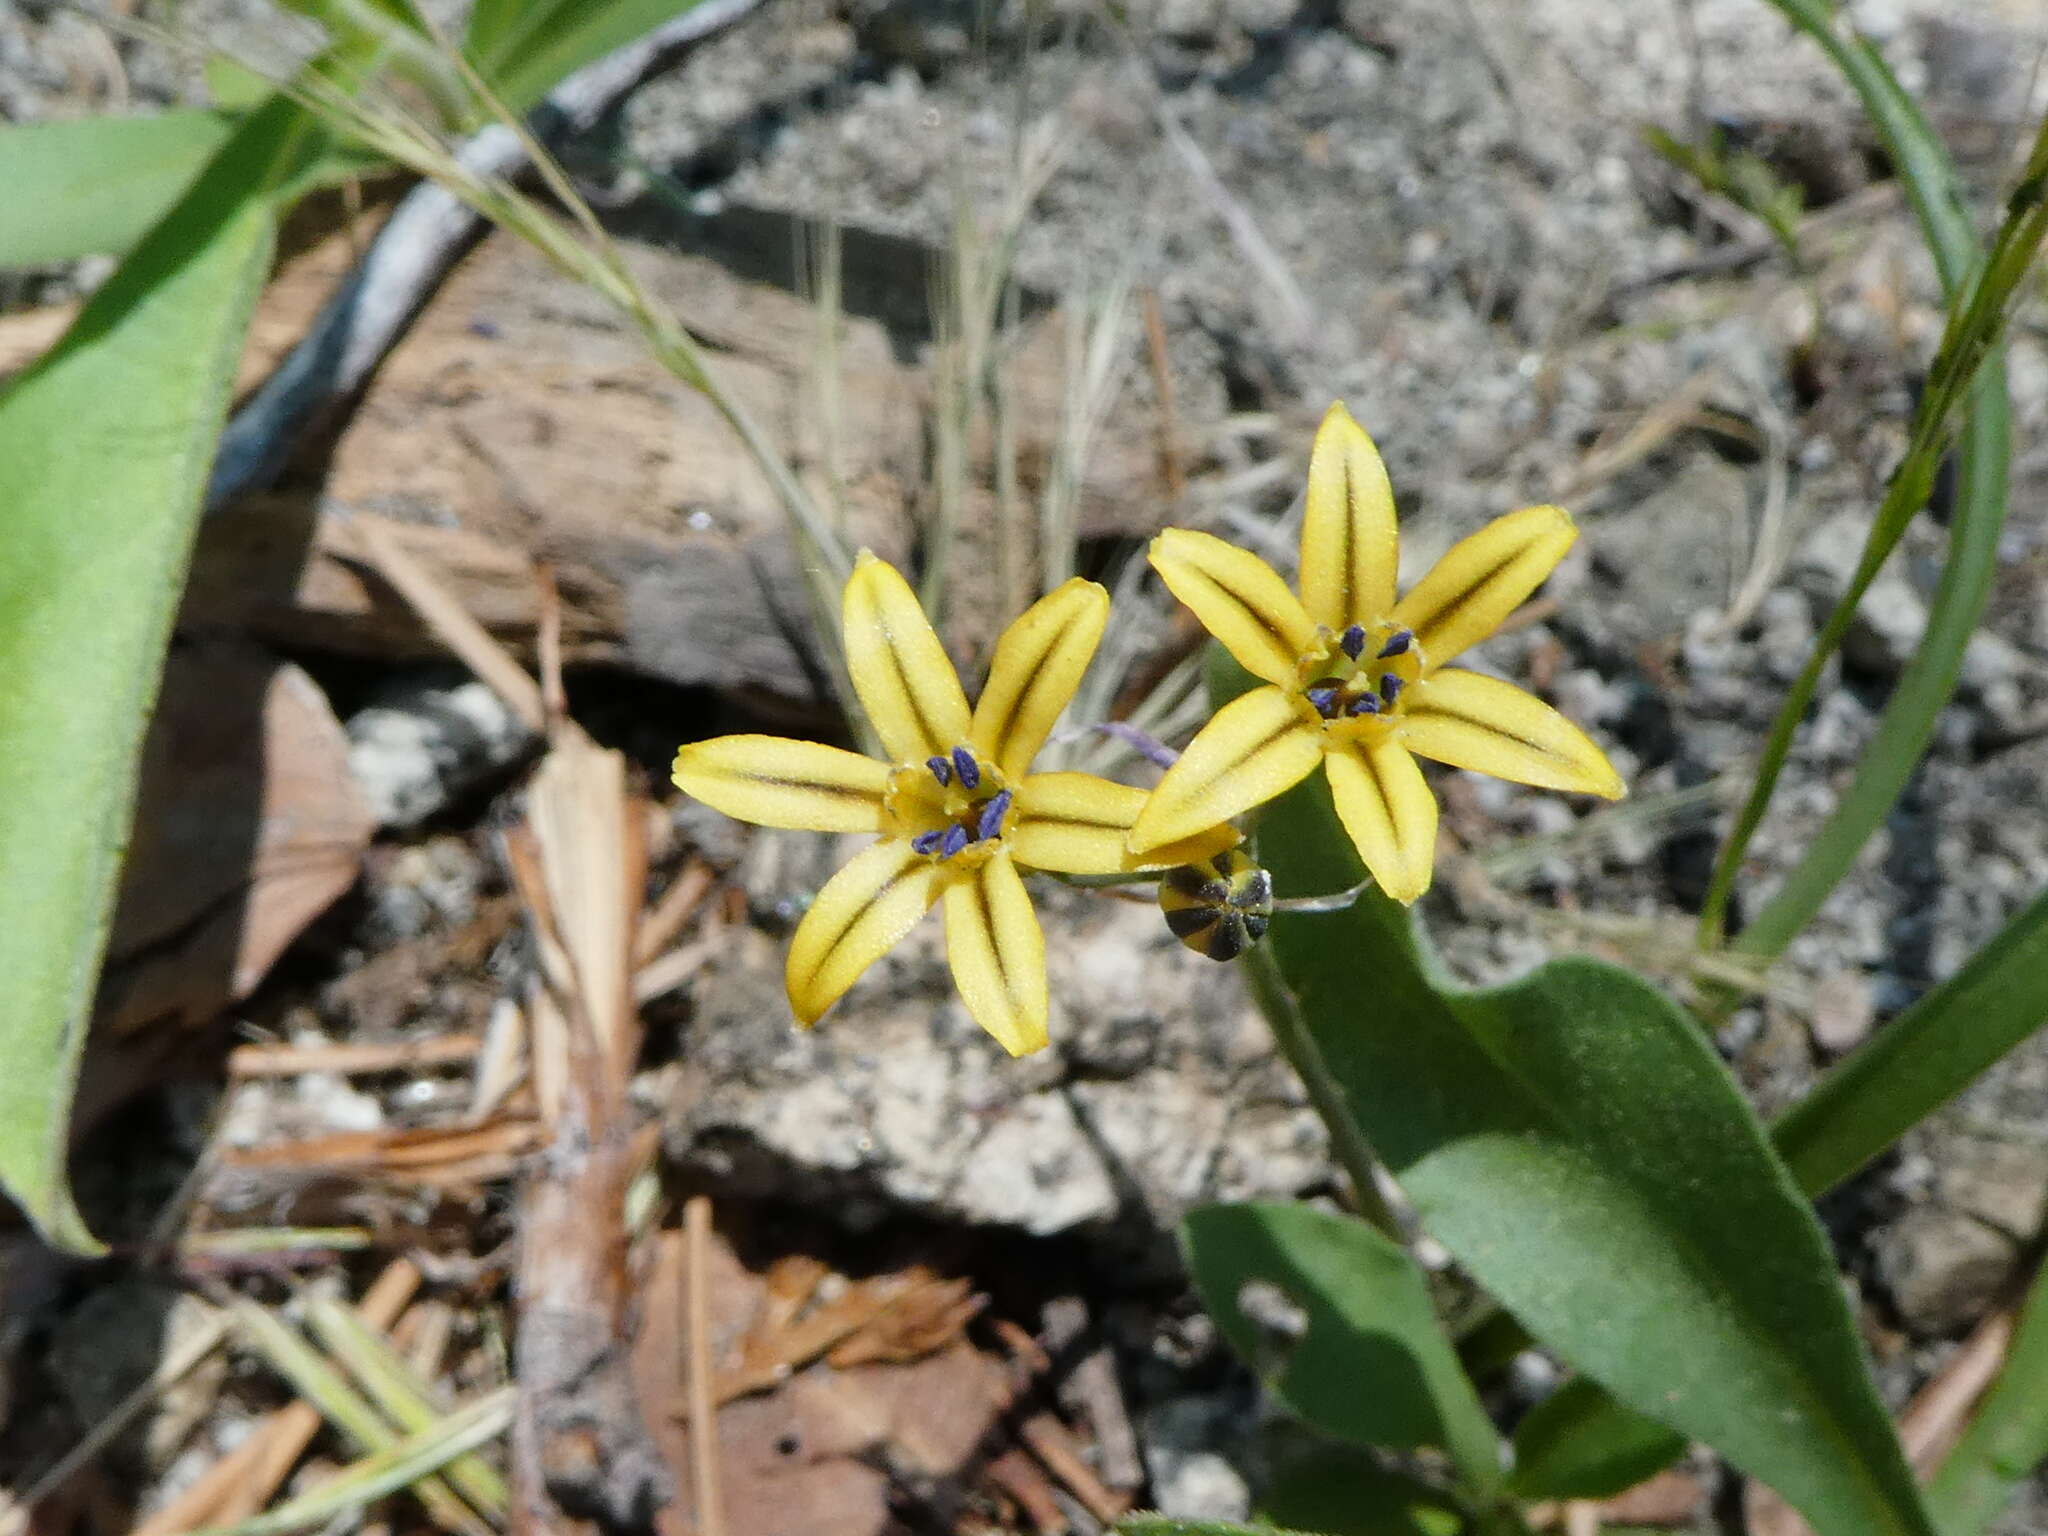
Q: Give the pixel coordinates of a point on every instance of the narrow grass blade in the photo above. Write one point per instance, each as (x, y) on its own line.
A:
(524, 46)
(2007, 1436)
(1923, 1058)
(1969, 361)
(398, 1392)
(315, 1379)
(404, 1463)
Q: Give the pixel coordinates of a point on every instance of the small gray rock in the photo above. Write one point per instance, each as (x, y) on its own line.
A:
(1160, 1089)
(1942, 1268)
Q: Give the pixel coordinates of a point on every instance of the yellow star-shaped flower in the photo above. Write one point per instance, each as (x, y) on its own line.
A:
(1357, 679)
(955, 802)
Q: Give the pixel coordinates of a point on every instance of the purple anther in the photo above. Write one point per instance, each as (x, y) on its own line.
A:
(1397, 642)
(1353, 641)
(1390, 688)
(953, 841)
(1364, 704)
(992, 815)
(926, 843)
(942, 770)
(1148, 747)
(1324, 700)
(968, 769)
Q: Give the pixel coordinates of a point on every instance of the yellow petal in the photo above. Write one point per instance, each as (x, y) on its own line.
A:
(1473, 721)
(1349, 548)
(1076, 824)
(1239, 598)
(998, 955)
(774, 782)
(874, 900)
(901, 672)
(1252, 749)
(1038, 665)
(1483, 578)
(1385, 804)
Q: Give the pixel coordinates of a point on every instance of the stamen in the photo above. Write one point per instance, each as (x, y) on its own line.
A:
(927, 843)
(1323, 698)
(1390, 688)
(1397, 642)
(1353, 641)
(992, 814)
(1364, 704)
(953, 840)
(942, 770)
(968, 769)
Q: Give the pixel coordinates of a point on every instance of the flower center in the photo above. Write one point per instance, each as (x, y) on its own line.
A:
(951, 809)
(1356, 682)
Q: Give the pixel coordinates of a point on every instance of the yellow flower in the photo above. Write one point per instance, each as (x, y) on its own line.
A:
(957, 807)
(1357, 679)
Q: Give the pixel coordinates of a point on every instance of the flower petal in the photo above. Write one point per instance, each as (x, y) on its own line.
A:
(1385, 804)
(997, 953)
(1483, 578)
(1349, 547)
(901, 672)
(1239, 598)
(1038, 665)
(877, 897)
(1076, 824)
(1252, 749)
(775, 782)
(1473, 721)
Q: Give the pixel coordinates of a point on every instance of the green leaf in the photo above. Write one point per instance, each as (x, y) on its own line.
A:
(1579, 1443)
(1574, 1141)
(2007, 1436)
(104, 449)
(1346, 1492)
(388, 33)
(1913, 1066)
(88, 186)
(402, 1464)
(1371, 1366)
(1167, 1525)
(1924, 1057)
(523, 47)
(1980, 294)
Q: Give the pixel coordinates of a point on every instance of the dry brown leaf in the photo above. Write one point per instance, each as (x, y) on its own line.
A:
(248, 826)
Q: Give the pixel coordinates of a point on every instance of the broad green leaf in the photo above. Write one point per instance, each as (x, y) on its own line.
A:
(1167, 1525)
(89, 186)
(1913, 1066)
(104, 449)
(523, 47)
(1579, 1443)
(1371, 1365)
(1574, 1141)
(1347, 1492)
(1874, 1097)
(2007, 1436)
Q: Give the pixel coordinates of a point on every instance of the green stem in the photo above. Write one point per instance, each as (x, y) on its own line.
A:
(1978, 308)
(2007, 1435)
(1291, 1033)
